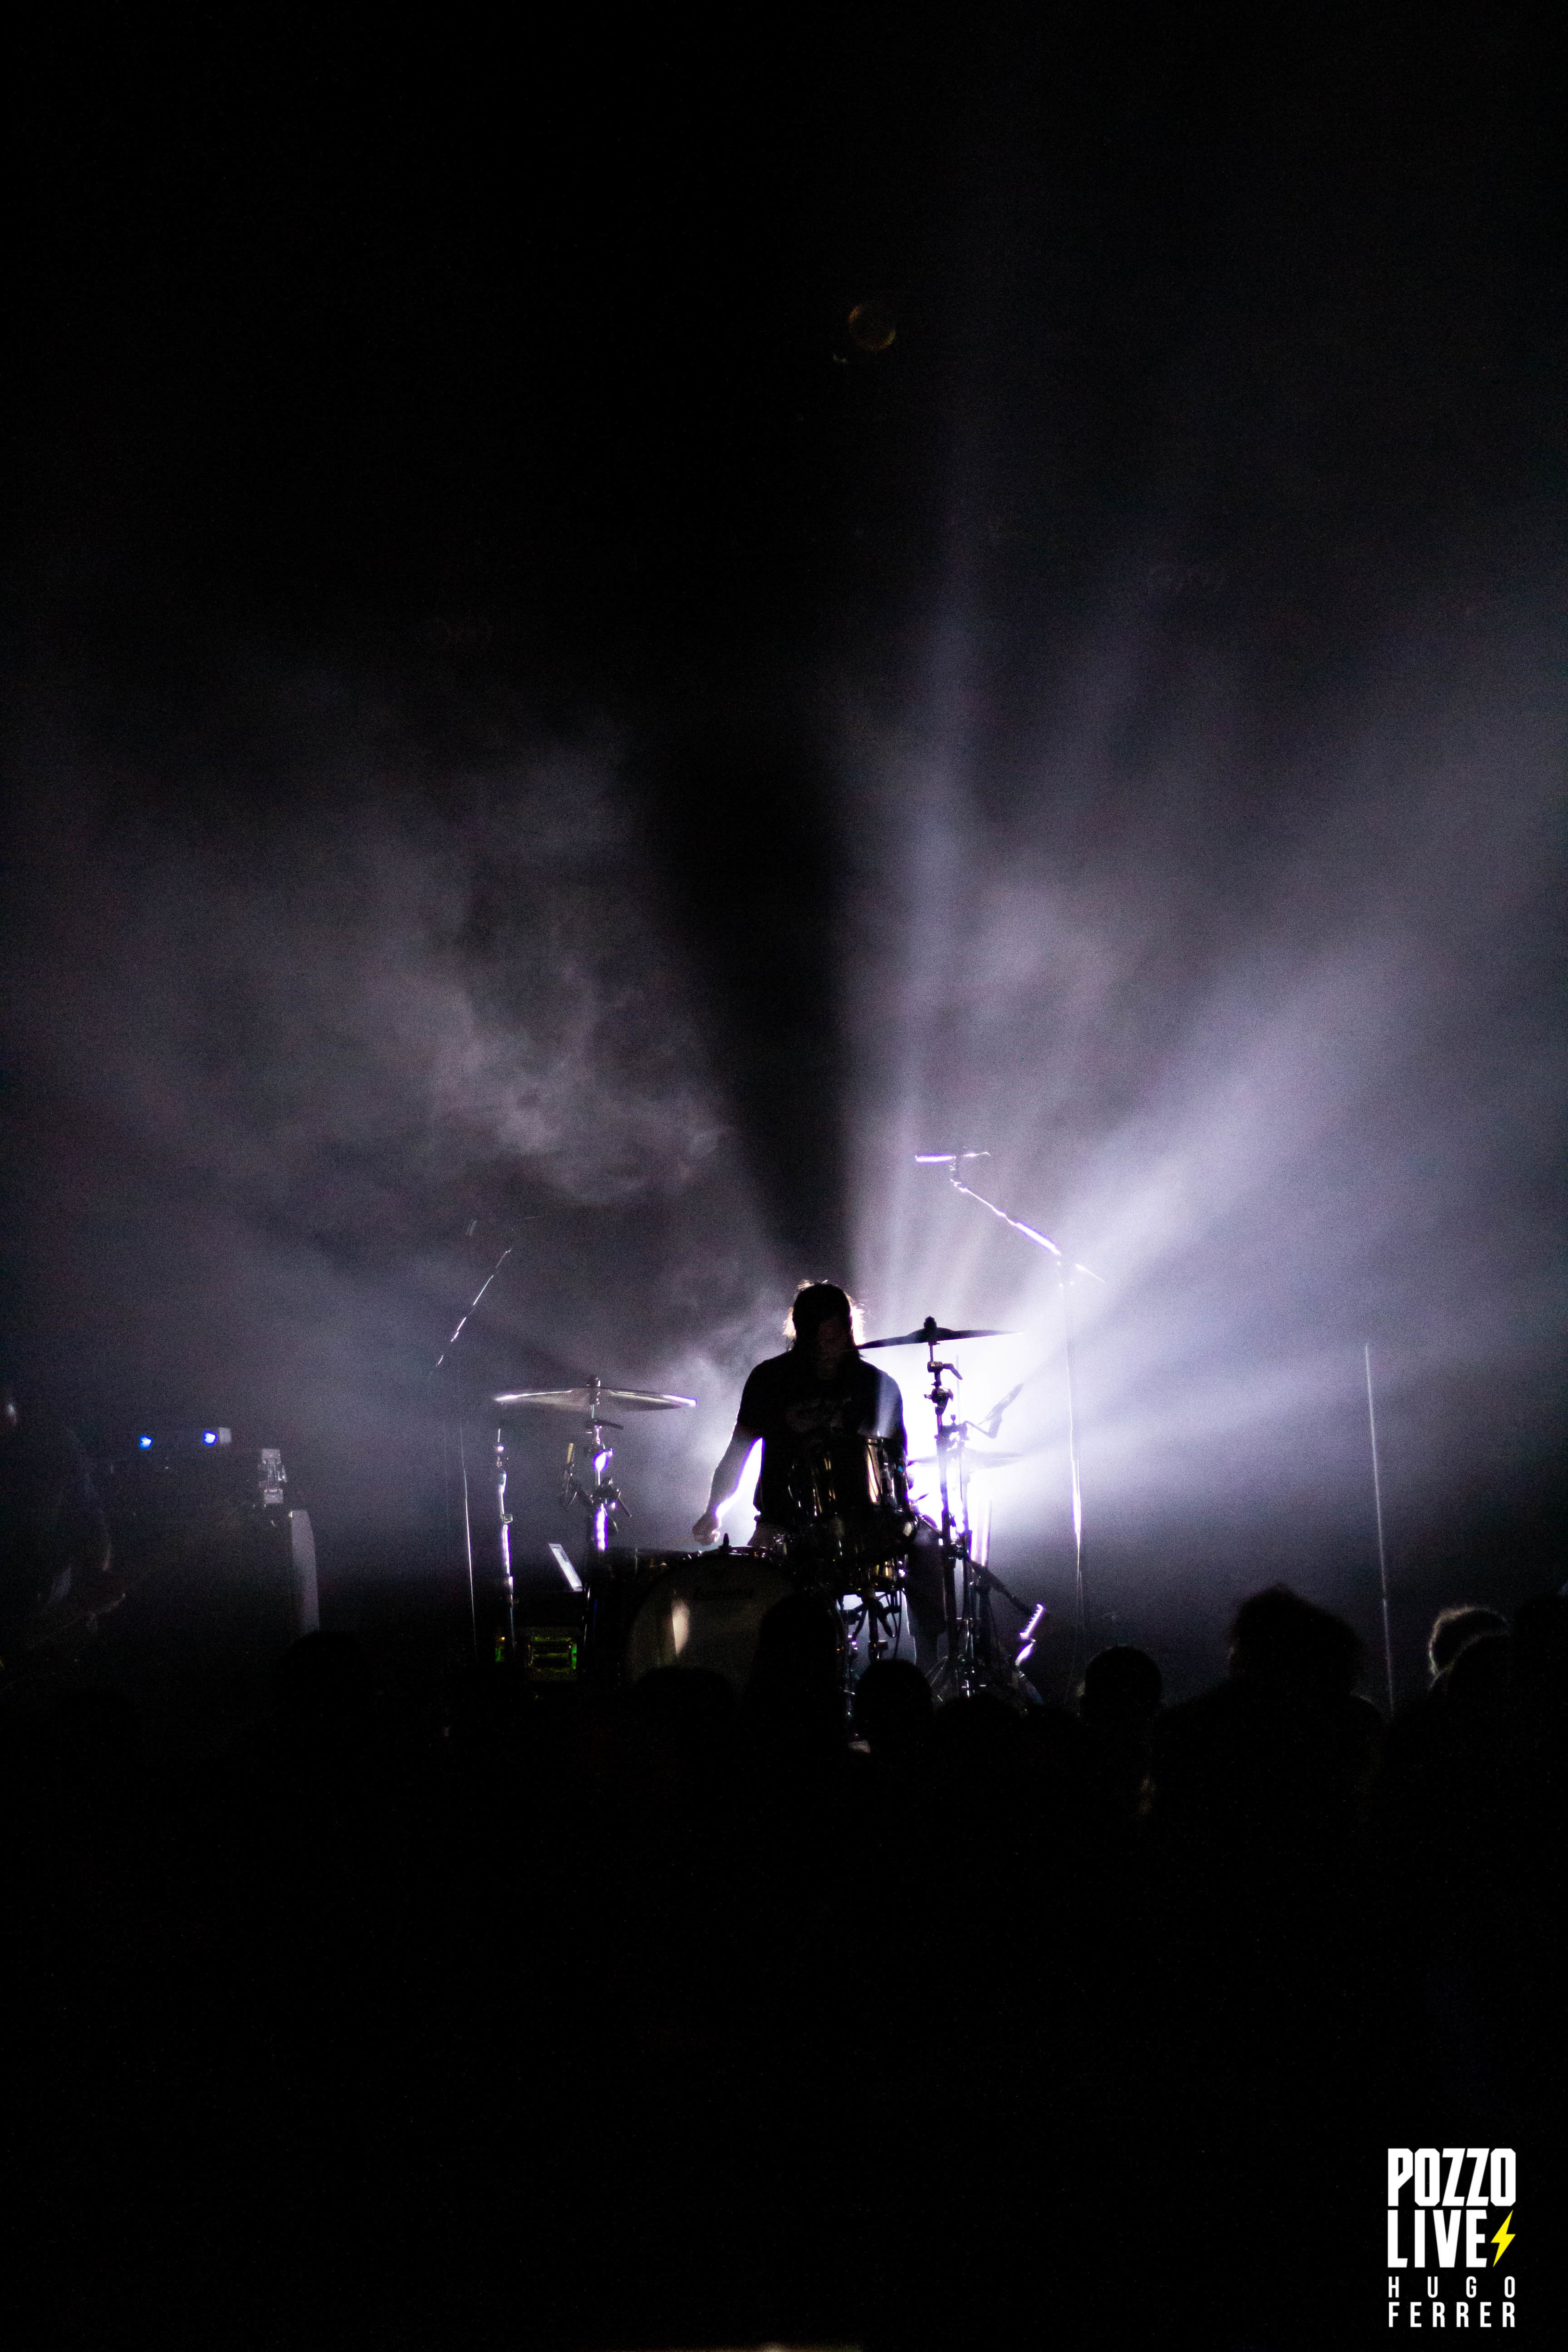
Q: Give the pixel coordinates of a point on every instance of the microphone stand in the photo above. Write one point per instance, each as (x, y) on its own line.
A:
(952, 1162)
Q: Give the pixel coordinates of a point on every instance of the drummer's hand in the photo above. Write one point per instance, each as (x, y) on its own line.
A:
(706, 1529)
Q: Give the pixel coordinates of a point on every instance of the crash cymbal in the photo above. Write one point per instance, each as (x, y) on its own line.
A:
(933, 1335)
(589, 1397)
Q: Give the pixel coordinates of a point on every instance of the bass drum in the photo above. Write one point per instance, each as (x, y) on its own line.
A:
(703, 1609)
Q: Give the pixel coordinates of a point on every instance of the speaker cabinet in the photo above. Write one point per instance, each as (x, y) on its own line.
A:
(219, 1581)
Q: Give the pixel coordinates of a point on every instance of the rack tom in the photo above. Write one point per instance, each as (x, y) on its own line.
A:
(851, 1522)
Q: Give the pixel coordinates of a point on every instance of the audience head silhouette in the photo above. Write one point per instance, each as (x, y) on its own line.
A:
(1279, 1638)
(1452, 1627)
(893, 1710)
(1122, 1689)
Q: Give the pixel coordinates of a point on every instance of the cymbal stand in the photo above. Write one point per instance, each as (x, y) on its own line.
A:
(956, 1678)
(974, 1660)
(602, 1498)
(503, 1519)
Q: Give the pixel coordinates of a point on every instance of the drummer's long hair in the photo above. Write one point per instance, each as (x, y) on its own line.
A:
(816, 1302)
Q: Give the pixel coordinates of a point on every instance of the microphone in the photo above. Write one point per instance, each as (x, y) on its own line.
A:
(946, 1159)
(992, 1421)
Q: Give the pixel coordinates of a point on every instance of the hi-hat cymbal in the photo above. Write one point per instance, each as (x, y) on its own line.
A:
(586, 1399)
(933, 1335)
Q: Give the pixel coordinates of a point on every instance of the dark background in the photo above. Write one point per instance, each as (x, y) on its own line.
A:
(464, 571)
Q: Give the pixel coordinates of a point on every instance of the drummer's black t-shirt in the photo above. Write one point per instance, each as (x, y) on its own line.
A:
(787, 1405)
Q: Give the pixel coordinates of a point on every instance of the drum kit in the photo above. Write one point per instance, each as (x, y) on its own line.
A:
(853, 1529)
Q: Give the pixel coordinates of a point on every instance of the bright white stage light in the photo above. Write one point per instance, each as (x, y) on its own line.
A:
(1285, 1087)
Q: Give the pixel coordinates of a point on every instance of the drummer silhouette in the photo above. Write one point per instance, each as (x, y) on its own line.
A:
(820, 1392)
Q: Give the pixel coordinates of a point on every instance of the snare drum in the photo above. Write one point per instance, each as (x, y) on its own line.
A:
(701, 1609)
(849, 1500)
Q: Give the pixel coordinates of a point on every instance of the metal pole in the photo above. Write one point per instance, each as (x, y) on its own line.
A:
(954, 1534)
(468, 1538)
(1377, 1502)
(463, 1454)
(1080, 1624)
(473, 1303)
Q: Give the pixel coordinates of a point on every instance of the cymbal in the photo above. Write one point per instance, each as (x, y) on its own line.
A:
(585, 1400)
(933, 1335)
(977, 1460)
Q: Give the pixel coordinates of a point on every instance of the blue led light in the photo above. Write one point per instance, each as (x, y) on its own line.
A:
(209, 1437)
(143, 1443)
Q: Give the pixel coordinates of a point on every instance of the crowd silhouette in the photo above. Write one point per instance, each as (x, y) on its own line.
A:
(490, 2013)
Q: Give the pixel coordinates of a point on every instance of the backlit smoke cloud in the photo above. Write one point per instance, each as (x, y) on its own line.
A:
(302, 1054)
(358, 1007)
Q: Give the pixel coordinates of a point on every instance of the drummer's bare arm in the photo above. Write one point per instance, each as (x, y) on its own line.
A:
(726, 1478)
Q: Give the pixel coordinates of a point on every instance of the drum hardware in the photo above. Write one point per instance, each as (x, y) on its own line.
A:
(851, 1509)
(586, 1478)
(875, 1611)
(974, 1661)
(933, 1334)
(977, 1460)
(601, 1499)
(851, 1529)
(952, 1162)
(597, 1491)
(506, 1639)
(1029, 1633)
(591, 1395)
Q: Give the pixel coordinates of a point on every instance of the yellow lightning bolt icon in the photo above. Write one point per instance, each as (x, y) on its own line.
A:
(1502, 2240)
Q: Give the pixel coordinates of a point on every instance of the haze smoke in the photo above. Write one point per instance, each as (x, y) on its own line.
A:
(1270, 1036)
(299, 1058)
